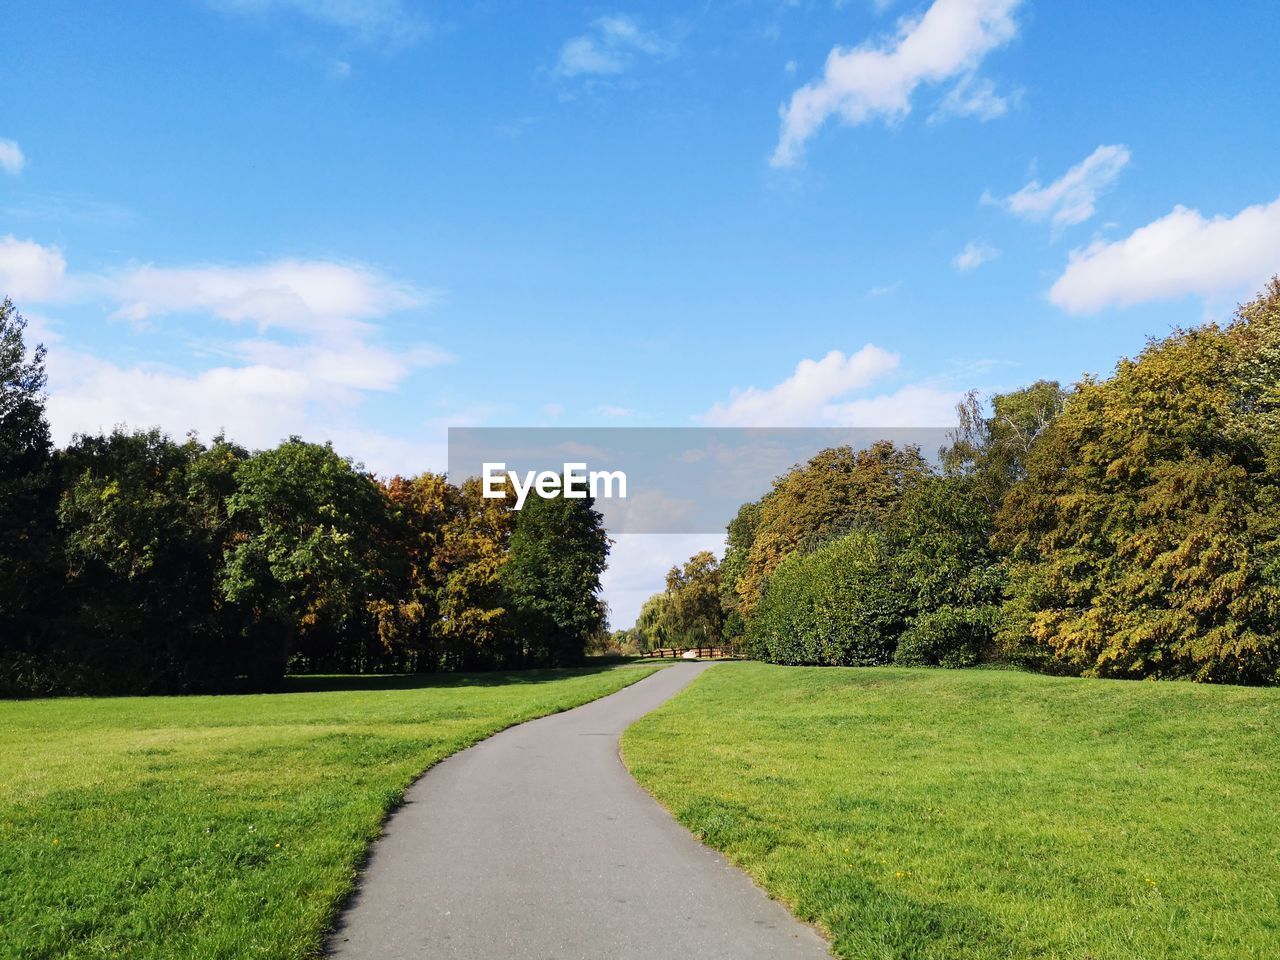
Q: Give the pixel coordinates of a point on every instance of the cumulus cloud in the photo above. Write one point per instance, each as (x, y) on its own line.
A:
(947, 44)
(318, 353)
(974, 255)
(800, 399)
(11, 158)
(1179, 254)
(1071, 198)
(611, 46)
(30, 271)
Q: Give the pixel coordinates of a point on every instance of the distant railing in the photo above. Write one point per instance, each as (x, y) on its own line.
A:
(700, 653)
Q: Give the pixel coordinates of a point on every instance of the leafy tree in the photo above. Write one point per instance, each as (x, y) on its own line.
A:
(940, 560)
(839, 490)
(653, 625)
(409, 620)
(475, 624)
(28, 497)
(741, 535)
(694, 607)
(994, 450)
(1144, 538)
(308, 562)
(552, 577)
(141, 566)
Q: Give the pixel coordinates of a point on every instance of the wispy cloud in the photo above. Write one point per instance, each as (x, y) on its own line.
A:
(612, 45)
(877, 80)
(1180, 254)
(1072, 198)
(885, 290)
(379, 22)
(48, 208)
(974, 255)
(12, 159)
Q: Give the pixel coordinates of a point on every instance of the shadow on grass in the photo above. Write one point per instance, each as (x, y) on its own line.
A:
(334, 682)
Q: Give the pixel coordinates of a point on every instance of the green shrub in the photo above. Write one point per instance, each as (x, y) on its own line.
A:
(947, 637)
(833, 607)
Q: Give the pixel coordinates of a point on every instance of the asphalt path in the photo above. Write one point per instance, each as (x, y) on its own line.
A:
(537, 845)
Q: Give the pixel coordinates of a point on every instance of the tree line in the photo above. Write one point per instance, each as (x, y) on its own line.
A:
(1127, 526)
(131, 562)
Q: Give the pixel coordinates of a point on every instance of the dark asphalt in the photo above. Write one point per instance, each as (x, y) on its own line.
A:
(537, 845)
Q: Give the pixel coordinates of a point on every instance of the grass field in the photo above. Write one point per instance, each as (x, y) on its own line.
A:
(985, 814)
(221, 827)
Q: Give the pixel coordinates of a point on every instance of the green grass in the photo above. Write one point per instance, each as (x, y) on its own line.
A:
(985, 814)
(225, 827)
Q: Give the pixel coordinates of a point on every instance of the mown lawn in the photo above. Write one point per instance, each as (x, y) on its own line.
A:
(221, 827)
(985, 814)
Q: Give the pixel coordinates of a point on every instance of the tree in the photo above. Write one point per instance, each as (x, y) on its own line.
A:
(740, 536)
(141, 566)
(939, 559)
(28, 497)
(423, 508)
(994, 450)
(1145, 536)
(559, 549)
(309, 560)
(693, 592)
(653, 624)
(475, 624)
(839, 490)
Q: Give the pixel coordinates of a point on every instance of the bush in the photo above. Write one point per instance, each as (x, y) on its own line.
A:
(947, 637)
(833, 607)
(924, 589)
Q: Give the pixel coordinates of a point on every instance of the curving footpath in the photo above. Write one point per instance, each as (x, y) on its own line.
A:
(537, 845)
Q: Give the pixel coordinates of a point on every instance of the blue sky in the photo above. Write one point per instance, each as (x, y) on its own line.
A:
(366, 220)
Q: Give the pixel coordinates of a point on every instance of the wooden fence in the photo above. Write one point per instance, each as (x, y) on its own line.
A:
(702, 653)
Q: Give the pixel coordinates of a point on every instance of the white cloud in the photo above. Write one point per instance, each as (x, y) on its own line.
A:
(609, 410)
(801, 399)
(30, 271)
(311, 378)
(972, 97)
(372, 21)
(1071, 198)
(974, 255)
(1179, 254)
(610, 47)
(304, 296)
(11, 158)
(915, 405)
(257, 405)
(947, 43)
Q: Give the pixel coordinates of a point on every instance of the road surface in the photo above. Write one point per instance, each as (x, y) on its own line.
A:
(537, 845)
